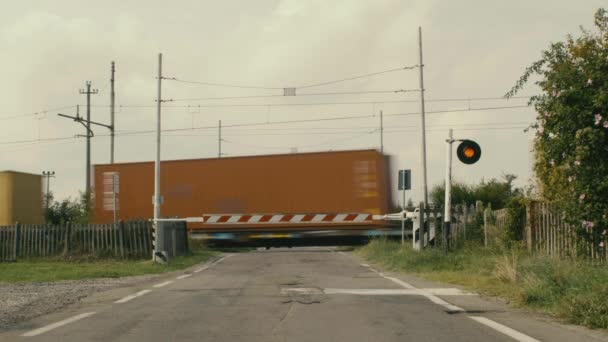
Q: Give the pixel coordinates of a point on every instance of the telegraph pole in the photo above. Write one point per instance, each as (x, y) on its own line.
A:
(447, 215)
(219, 140)
(423, 128)
(88, 92)
(112, 104)
(158, 243)
(381, 134)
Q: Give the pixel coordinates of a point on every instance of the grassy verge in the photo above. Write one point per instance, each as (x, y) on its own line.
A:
(573, 291)
(43, 270)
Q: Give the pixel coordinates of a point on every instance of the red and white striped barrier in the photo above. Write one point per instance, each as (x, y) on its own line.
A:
(286, 218)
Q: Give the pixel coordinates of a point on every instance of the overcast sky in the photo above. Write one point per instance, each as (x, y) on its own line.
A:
(472, 49)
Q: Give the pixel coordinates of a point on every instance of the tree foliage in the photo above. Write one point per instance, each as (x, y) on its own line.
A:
(496, 192)
(571, 142)
(68, 210)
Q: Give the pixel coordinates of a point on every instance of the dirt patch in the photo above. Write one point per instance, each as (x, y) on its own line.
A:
(20, 302)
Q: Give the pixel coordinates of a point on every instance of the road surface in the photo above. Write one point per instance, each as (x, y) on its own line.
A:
(303, 294)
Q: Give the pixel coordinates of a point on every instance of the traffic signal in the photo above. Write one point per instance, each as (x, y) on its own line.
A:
(468, 152)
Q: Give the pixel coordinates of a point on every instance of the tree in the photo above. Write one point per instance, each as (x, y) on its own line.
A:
(67, 210)
(496, 192)
(571, 142)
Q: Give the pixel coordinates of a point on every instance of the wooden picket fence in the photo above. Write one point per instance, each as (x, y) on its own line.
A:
(548, 232)
(125, 240)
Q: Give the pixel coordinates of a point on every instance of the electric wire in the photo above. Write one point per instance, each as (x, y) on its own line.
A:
(228, 85)
(124, 133)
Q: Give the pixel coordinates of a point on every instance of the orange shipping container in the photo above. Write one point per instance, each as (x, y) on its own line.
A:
(324, 182)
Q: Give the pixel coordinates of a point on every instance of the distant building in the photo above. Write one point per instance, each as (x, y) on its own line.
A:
(20, 198)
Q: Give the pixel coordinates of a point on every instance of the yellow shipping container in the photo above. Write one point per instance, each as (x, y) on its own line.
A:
(20, 198)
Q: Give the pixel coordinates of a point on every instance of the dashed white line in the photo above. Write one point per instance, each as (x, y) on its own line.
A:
(365, 265)
(184, 276)
(504, 329)
(163, 284)
(133, 296)
(55, 325)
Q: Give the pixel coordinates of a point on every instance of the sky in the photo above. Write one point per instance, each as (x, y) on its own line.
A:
(472, 50)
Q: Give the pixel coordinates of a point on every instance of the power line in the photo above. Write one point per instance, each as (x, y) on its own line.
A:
(227, 85)
(36, 113)
(126, 133)
(317, 103)
(302, 94)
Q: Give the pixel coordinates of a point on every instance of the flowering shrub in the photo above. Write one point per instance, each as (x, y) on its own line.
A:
(571, 140)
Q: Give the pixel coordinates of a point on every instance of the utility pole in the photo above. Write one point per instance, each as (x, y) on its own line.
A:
(447, 215)
(87, 125)
(48, 175)
(381, 134)
(112, 104)
(423, 128)
(88, 92)
(219, 140)
(158, 243)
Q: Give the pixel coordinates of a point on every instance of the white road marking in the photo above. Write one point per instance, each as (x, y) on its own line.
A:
(133, 296)
(55, 325)
(163, 284)
(365, 265)
(504, 329)
(373, 292)
(201, 269)
(427, 294)
(398, 281)
(184, 276)
(381, 292)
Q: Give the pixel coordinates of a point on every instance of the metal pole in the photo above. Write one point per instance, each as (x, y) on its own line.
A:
(423, 127)
(447, 216)
(88, 176)
(219, 140)
(382, 134)
(403, 218)
(157, 242)
(112, 104)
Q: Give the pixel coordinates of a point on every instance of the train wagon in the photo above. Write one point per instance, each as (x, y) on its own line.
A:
(283, 199)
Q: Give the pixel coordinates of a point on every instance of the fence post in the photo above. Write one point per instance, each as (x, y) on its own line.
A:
(121, 238)
(529, 223)
(485, 227)
(67, 239)
(17, 241)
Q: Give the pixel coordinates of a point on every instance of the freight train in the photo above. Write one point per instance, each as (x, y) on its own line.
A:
(265, 200)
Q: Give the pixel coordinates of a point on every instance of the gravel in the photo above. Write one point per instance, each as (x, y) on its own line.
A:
(20, 302)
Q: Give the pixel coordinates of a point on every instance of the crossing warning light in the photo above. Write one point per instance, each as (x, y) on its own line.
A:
(468, 152)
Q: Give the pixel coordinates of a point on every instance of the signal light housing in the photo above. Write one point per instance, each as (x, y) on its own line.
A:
(468, 152)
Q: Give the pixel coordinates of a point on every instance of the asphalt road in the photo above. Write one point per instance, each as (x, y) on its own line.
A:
(305, 294)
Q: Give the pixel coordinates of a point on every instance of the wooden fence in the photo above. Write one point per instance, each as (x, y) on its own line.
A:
(125, 240)
(547, 232)
(462, 218)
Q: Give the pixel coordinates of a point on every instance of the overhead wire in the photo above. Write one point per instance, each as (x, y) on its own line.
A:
(228, 85)
(314, 103)
(46, 111)
(254, 124)
(395, 91)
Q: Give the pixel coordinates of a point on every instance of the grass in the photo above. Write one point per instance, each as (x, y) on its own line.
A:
(57, 269)
(573, 291)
